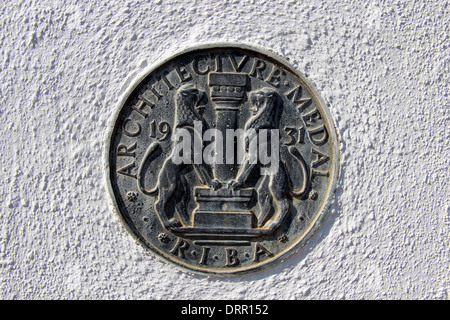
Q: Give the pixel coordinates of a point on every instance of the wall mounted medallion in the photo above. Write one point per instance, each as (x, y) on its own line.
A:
(222, 159)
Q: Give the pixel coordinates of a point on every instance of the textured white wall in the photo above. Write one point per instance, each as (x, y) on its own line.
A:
(383, 67)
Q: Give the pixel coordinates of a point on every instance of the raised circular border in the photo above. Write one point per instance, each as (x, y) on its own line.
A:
(318, 217)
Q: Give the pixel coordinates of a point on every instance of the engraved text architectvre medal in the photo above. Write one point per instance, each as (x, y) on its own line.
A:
(222, 159)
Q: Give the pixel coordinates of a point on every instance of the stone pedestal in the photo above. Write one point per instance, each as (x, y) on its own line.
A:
(223, 209)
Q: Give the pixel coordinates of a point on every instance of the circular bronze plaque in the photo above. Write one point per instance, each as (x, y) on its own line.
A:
(222, 159)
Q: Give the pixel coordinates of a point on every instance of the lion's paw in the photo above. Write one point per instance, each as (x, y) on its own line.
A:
(172, 223)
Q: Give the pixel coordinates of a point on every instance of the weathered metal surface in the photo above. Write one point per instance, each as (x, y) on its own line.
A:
(230, 216)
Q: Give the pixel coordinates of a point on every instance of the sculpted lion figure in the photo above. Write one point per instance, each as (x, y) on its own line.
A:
(171, 182)
(274, 190)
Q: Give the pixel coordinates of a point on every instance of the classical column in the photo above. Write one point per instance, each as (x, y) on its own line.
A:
(228, 91)
(224, 212)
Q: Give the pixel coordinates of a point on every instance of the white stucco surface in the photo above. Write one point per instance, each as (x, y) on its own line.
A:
(382, 67)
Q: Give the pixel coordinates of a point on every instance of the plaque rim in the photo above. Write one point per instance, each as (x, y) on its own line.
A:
(311, 229)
